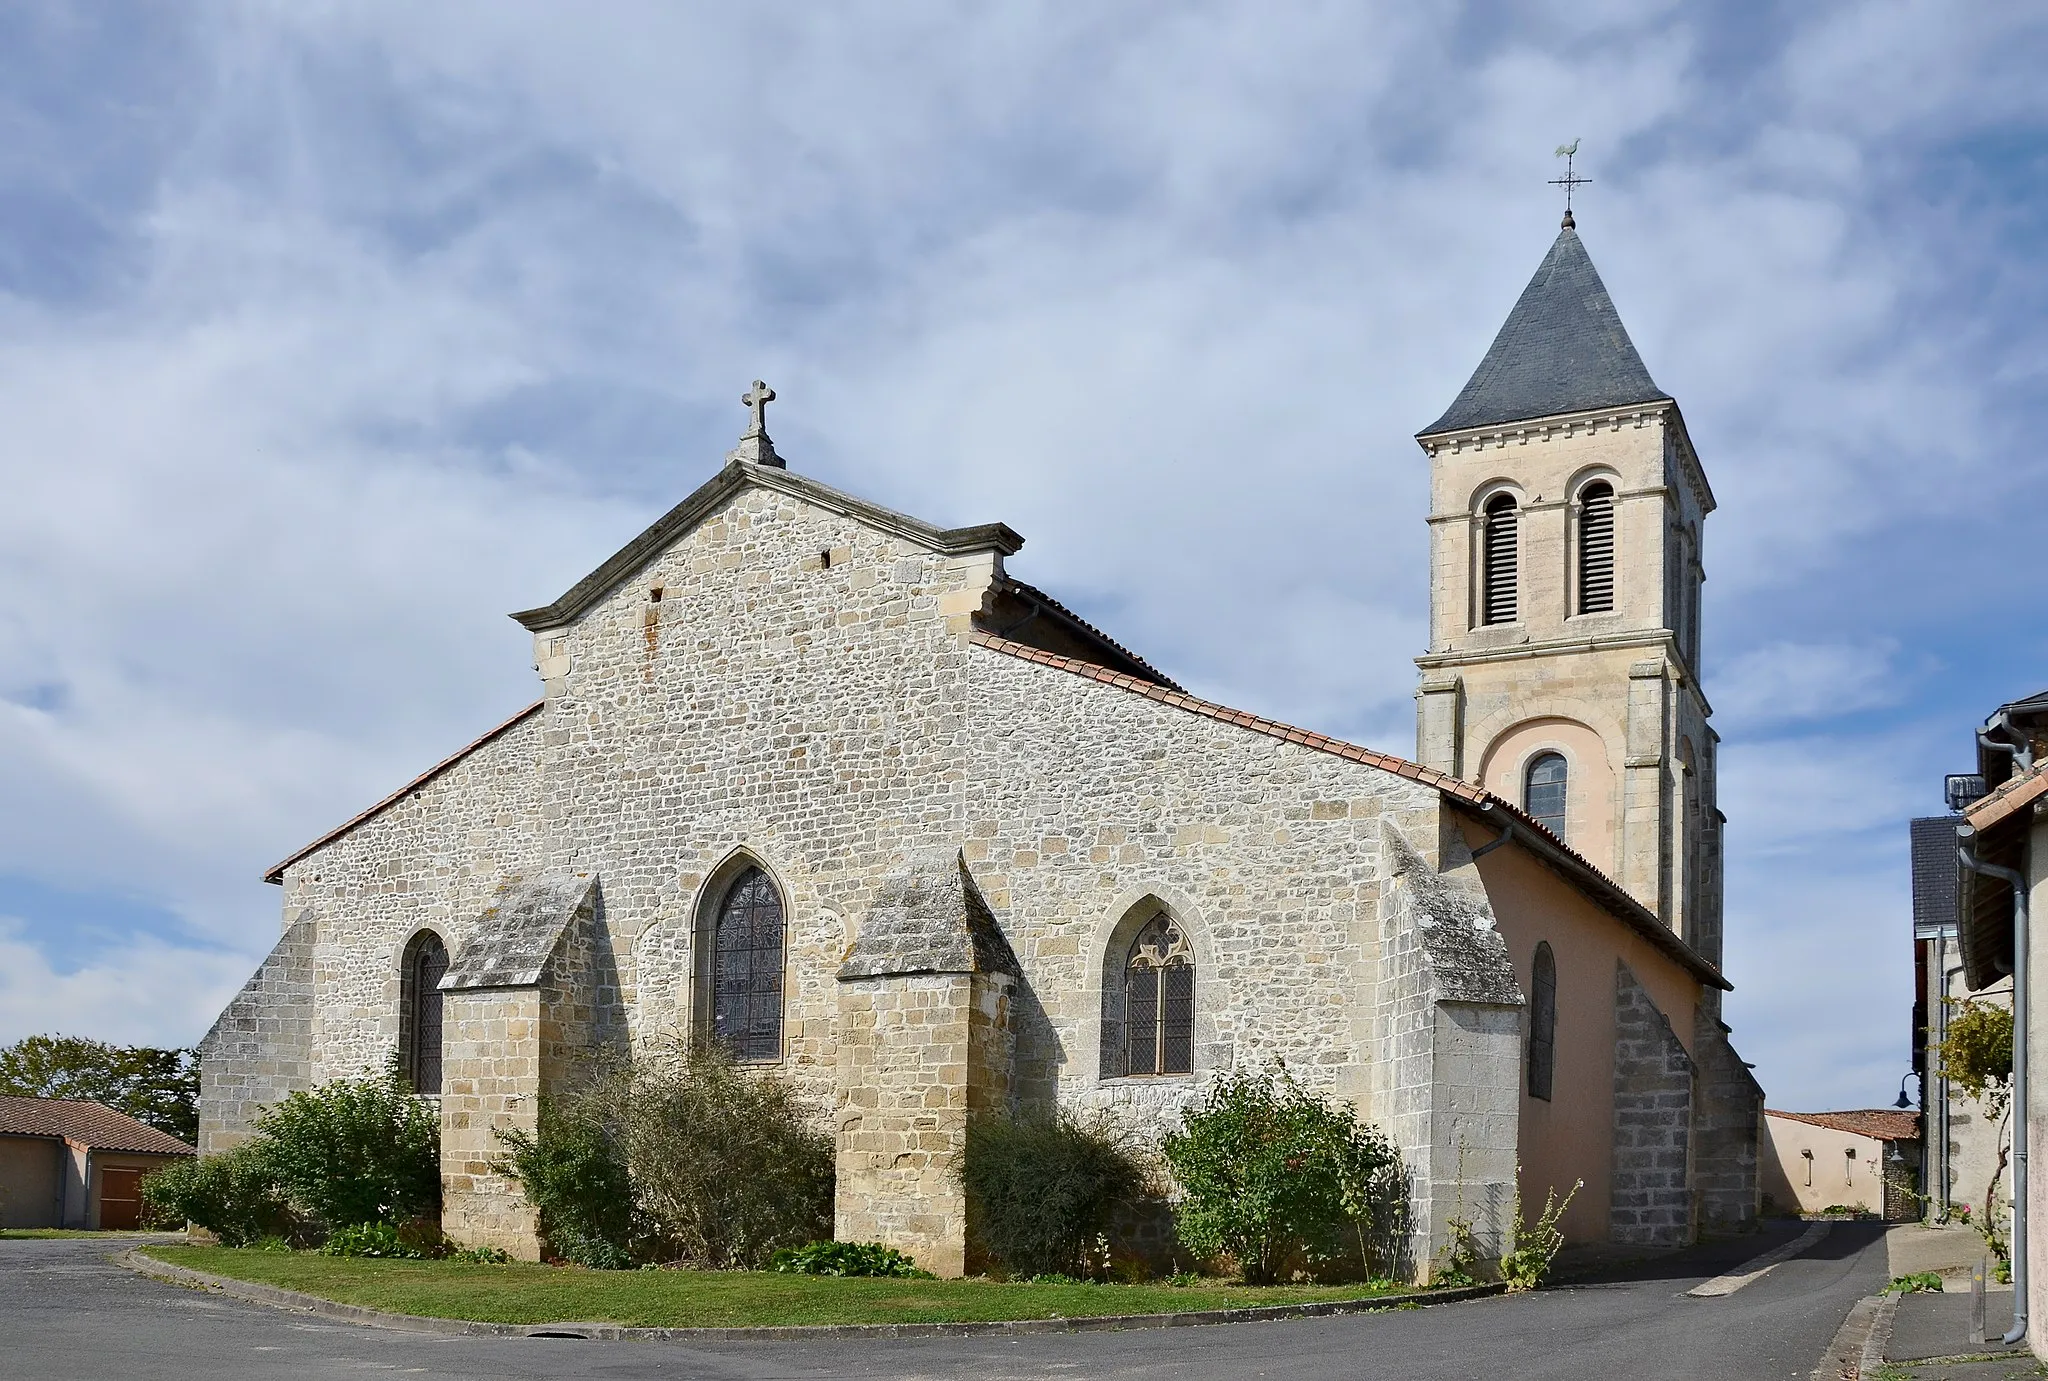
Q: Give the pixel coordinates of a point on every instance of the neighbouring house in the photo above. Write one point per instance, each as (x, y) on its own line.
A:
(828, 785)
(70, 1164)
(1867, 1159)
(2002, 846)
(1961, 1142)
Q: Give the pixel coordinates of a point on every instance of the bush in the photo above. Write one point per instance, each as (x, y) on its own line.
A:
(235, 1195)
(1268, 1170)
(1040, 1190)
(573, 1170)
(727, 1165)
(1526, 1263)
(846, 1259)
(374, 1239)
(356, 1151)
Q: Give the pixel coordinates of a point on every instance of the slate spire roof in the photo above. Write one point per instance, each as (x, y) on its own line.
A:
(1563, 349)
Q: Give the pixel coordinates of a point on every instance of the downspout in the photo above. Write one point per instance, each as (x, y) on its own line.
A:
(1506, 835)
(2013, 879)
(2020, 750)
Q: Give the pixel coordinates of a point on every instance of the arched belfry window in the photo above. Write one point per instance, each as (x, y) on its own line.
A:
(1148, 1008)
(1596, 548)
(1542, 1022)
(419, 1012)
(1544, 792)
(746, 974)
(1501, 577)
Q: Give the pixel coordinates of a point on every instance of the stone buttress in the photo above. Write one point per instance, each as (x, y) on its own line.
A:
(925, 1044)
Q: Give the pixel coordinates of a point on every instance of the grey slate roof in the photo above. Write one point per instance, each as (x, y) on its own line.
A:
(514, 937)
(1934, 873)
(1562, 350)
(930, 918)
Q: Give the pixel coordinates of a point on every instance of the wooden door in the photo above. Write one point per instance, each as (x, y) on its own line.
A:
(120, 1198)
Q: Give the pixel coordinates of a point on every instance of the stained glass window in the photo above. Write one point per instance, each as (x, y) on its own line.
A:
(1149, 1017)
(746, 978)
(420, 1000)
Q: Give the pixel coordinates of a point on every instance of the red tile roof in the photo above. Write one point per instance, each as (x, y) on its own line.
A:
(277, 874)
(1564, 859)
(93, 1125)
(2013, 795)
(1882, 1124)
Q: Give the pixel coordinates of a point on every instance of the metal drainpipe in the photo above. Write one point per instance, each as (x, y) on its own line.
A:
(2018, 884)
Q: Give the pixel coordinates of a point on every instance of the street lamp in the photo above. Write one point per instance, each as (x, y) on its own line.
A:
(1904, 1101)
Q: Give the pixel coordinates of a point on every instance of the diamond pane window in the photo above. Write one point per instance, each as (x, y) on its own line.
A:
(746, 978)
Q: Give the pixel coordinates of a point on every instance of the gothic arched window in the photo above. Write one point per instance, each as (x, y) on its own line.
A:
(419, 1011)
(1501, 578)
(1148, 1009)
(746, 974)
(1543, 793)
(1542, 1022)
(1596, 548)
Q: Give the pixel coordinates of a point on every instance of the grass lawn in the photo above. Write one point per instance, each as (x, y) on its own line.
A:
(704, 1299)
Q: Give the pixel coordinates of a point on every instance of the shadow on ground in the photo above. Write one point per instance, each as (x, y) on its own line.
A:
(1710, 1259)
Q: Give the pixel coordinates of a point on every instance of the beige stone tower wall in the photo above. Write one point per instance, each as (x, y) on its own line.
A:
(1616, 692)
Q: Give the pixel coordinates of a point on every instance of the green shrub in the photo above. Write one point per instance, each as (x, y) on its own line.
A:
(727, 1163)
(1534, 1246)
(846, 1259)
(373, 1239)
(355, 1151)
(1041, 1189)
(235, 1196)
(573, 1169)
(1268, 1170)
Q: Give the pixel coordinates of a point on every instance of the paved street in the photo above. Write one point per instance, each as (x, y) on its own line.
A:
(70, 1314)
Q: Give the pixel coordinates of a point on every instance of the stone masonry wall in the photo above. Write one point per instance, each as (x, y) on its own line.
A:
(261, 1048)
(1653, 1082)
(432, 861)
(1727, 1114)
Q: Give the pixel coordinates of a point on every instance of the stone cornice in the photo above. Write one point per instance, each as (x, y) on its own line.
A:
(1500, 434)
(736, 476)
(1661, 639)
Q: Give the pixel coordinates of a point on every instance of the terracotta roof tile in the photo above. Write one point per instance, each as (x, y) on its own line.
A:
(1883, 1124)
(92, 1125)
(2013, 795)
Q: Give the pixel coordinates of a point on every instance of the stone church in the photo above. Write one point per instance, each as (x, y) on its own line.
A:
(830, 785)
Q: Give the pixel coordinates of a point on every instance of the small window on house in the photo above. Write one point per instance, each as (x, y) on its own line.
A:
(1149, 1009)
(1501, 578)
(419, 1011)
(1596, 549)
(1542, 1022)
(746, 980)
(1544, 792)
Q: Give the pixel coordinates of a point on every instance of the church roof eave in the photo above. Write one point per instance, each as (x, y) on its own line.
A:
(735, 476)
(1562, 350)
(1475, 800)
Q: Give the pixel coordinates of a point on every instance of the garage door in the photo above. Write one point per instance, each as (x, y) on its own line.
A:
(120, 1198)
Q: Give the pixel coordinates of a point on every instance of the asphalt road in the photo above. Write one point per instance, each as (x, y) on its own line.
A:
(67, 1313)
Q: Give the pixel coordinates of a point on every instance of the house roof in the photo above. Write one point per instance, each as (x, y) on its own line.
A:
(276, 874)
(2012, 796)
(92, 1125)
(1475, 800)
(1562, 349)
(737, 475)
(1881, 1124)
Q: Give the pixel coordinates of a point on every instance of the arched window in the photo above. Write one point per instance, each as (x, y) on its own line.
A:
(1542, 1022)
(1501, 579)
(746, 977)
(1596, 548)
(1543, 794)
(1148, 1008)
(419, 1012)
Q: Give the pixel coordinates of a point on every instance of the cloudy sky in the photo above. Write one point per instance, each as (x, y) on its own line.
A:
(331, 333)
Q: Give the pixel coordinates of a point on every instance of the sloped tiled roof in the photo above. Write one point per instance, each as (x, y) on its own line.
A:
(2013, 795)
(1883, 1124)
(1563, 349)
(93, 1125)
(277, 874)
(1553, 851)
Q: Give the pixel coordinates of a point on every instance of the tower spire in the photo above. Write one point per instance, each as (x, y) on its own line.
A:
(1570, 180)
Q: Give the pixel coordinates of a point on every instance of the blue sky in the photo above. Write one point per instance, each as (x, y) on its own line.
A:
(331, 333)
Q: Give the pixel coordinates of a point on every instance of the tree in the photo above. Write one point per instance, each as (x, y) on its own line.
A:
(152, 1085)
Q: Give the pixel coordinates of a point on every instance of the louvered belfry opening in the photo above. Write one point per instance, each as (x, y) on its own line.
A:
(1596, 549)
(1503, 560)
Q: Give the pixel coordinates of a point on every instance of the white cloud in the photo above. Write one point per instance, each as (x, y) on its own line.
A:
(392, 318)
(142, 993)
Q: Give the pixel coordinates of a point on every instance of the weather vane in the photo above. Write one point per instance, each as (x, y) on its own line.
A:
(1568, 152)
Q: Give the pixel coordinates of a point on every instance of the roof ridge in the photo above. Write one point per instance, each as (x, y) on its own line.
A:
(1034, 592)
(276, 874)
(1640, 919)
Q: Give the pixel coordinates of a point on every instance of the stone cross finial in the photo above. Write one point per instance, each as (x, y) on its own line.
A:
(754, 443)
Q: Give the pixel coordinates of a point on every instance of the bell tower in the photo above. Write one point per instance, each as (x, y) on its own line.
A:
(1566, 505)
